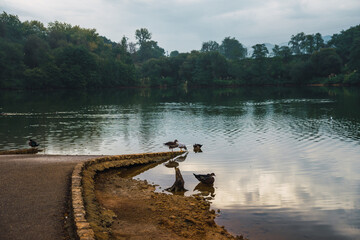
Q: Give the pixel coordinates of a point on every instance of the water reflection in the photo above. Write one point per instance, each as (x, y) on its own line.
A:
(286, 159)
(178, 186)
(205, 190)
(181, 158)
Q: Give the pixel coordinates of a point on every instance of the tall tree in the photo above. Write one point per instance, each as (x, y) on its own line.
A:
(210, 46)
(232, 49)
(142, 35)
(296, 43)
(260, 51)
(148, 48)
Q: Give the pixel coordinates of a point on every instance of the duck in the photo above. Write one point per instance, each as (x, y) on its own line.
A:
(205, 178)
(172, 145)
(197, 147)
(33, 144)
(182, 146)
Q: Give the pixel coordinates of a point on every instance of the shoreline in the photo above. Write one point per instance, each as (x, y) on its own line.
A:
(49, 181)
(95, 219)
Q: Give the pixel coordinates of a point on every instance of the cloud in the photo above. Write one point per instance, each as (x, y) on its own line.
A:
(184, 24)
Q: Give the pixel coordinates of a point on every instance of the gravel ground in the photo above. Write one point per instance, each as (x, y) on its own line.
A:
(34, 192)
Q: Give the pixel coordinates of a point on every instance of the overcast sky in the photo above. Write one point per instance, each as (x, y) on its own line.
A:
(184, 24)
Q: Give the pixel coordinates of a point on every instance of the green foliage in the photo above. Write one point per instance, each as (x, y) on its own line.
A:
(174, 53)
(210, 46)
(60, 56)
(148, 48)
(305, 44)
(352, 78)
(142, 36)
(326, 62)
(301, 72)
(283, 52)
(232, 49)
(260, 51)
(346, 42)
(65, 56)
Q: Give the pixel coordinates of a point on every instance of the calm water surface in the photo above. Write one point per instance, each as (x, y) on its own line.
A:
(287, 160)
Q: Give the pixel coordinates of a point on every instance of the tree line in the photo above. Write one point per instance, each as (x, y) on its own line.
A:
(33, 56)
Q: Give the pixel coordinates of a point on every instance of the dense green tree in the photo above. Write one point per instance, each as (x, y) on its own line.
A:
(347, 46)
(210, 46)
(260, 51)
(305, 44)
(35, 51)
(232, 49)
(148, 48)
(300, 71)
(174, 53)
(10, 27)
(34, 28)
(354, 57)
(142, 36)
(11, 64)
(78, 67)
(283, 52)
(296, 43)
(326, 62)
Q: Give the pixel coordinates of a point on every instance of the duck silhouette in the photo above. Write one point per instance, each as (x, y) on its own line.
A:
(205, 178)
(197, 147)
(33, 144)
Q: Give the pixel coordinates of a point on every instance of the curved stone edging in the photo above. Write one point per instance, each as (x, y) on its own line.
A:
(83, 228)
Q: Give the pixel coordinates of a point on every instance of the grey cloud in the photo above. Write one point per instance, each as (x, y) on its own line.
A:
(184, 24)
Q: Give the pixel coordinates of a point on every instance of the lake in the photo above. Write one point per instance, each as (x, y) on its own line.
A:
(287, 160)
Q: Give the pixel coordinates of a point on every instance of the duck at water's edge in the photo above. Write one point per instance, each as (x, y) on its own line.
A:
(33, 144)
(172, 145)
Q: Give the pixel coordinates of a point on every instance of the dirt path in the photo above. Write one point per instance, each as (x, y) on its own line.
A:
(34, 190)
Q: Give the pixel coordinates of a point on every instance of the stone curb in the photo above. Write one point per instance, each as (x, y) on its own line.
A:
(83, 228)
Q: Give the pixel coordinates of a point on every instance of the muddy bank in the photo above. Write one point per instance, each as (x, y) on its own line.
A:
(138, 212)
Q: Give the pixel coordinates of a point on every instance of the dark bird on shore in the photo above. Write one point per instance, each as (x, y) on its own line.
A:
(172, 145)
(197, 147)
(33, 144)
(205, 178)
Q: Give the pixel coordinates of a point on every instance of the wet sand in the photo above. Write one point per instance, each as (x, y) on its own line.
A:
(34, 192)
